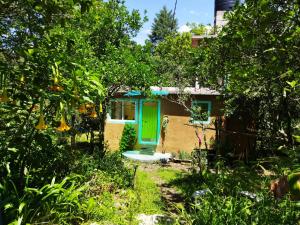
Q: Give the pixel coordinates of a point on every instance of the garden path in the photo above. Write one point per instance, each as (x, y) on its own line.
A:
(169, 195)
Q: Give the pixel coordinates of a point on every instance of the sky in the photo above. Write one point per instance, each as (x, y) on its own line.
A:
(198, 11)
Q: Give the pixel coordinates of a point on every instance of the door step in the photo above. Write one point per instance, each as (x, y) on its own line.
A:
(147, 150)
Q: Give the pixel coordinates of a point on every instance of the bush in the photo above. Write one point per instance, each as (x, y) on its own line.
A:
(114, 167)
(111, 167)
(219, 209)
(183, 155)
(55, 202)
(225, 202)
(128, 139)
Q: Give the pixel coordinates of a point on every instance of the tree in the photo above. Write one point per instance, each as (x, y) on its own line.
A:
(164, 24)
(199, 29)
(255, 57)
(55, 57)
(173, 55)
(84, 57)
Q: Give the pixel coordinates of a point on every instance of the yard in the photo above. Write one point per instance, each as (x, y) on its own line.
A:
(78, 88)
(167, 192)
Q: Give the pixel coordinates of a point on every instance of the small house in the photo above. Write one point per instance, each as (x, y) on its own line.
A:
(160, 121)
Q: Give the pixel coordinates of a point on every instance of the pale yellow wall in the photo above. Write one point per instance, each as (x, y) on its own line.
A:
(179, 136)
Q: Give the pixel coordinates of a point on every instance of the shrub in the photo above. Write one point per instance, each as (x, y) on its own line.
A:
(114, 167)
(226, 202)
(184, 155)
(111, 168)
(219, 209)
(128, 139)
(55, 202)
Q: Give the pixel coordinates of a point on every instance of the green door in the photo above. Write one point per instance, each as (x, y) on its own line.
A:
(149, 124)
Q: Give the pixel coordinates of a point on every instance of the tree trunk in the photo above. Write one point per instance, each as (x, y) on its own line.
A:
(92, 141)
(289, 129)
(73, 135)
(102, 119)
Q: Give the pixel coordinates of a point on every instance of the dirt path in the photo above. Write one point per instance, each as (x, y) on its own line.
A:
(169, 195)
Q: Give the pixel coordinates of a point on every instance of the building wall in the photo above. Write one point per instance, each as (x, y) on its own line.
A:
(179, 135)
(220, 21)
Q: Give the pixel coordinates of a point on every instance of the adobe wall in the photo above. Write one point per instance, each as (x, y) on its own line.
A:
(113, 135)
(179, 136)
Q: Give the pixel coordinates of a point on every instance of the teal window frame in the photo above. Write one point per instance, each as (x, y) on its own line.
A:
(209, 106)
(123, 121)
(140, 122)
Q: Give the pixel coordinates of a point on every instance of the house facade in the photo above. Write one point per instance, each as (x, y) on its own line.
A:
(161, 122)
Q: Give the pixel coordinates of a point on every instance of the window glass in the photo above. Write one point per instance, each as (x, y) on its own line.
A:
(129, 110)
(116, 110)
(122, 110)
(200, 111)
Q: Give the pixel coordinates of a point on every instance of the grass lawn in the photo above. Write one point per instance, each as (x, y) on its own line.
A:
(154, 187)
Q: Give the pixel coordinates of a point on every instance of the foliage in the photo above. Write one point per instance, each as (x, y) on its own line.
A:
(199, 114)
(253, 62)
(174, 56)
(29, 153)
(90, 196)
(115, 167)
(56, 56)
(168, 174)
(199, 160)
(128, 139)
(199, 29)
(148, 194)
(54, 202)
(164, 25)
(184, 155)
(225, 204)
(121, 206)
(109, 169)
(241, 210)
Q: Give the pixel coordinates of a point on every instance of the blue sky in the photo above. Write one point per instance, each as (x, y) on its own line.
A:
(199, 11)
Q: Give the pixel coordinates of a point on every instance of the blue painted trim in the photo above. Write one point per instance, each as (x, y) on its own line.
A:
(140, 123)
(159, 92)
(113, 121)
(209, 112)
(153, 92)
(133, 93)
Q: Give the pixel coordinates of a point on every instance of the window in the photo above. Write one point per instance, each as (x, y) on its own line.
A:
(201, 112)
(122, 110)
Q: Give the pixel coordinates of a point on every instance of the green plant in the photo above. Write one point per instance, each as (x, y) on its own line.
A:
(55, 202)
(128, 139)
(184, 155)
(148, 194)
(114, 167)
(219, 209)
(199, 160)
(225, 202)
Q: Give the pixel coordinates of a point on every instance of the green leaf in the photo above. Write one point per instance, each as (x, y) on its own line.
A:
(52, 181)
(292, 83)
(85, 98)
(8, 168)
(8, 206)
(21, 206)
(13, 149)
(30, 51)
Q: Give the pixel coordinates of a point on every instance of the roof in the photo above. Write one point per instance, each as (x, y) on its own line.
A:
(204, 36)
(187, 90)
(155, 90)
